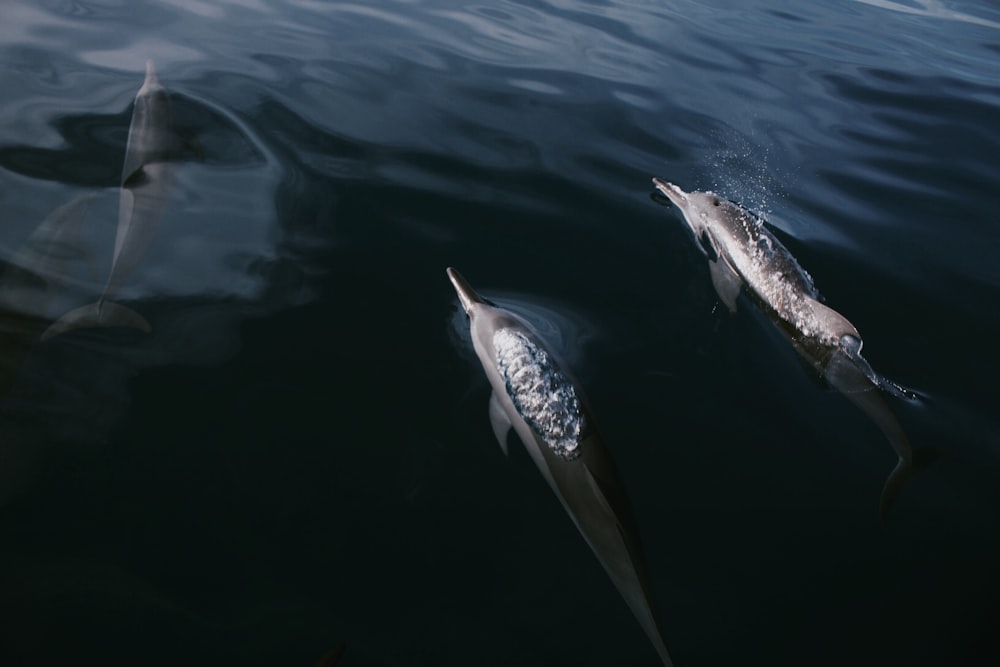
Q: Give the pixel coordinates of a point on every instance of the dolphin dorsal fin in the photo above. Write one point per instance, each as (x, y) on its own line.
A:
(726, 281)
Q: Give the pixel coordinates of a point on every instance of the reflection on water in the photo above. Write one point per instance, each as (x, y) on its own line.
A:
(566, 331)
(294, 457)
(180, 155)
(932, 9)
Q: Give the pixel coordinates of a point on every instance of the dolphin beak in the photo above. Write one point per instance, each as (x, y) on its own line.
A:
(673, 193)
(152, 80)
(466, 294)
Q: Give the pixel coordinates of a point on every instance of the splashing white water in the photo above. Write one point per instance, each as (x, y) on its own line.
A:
(543, 396)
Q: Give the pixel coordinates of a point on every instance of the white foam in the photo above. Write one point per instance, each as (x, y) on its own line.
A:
(543, 396)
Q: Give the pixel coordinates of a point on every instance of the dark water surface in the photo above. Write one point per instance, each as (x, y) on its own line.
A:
(299, 456)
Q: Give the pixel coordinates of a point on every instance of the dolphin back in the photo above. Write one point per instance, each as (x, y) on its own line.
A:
(593, 494)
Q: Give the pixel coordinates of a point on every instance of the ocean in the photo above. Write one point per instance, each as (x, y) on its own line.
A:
(295, 456)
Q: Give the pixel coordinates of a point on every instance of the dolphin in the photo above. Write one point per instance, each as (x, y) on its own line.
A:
(533, 396)
(743, 253)
(147, 176)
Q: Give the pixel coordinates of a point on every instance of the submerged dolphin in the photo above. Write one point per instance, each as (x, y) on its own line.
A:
(147, 175)
(742, 252)
(533, 396)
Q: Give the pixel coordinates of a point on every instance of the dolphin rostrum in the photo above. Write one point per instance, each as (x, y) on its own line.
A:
(743, 252)
(532, 395)
(147, 175)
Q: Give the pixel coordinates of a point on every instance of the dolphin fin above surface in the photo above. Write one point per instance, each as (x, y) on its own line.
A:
(100, 314)
(500, 422)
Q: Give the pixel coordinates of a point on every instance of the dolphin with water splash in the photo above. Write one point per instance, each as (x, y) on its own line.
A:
(743, 253)
(532, 396)
(147, 176)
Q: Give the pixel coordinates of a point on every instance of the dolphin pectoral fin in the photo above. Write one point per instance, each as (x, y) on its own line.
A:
(727, 283)
(499, 421)
(106, 314)
(708, 246)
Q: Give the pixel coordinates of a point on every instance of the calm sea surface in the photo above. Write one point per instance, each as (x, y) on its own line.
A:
(298, 456)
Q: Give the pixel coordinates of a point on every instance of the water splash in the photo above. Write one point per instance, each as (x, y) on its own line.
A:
(540, 392)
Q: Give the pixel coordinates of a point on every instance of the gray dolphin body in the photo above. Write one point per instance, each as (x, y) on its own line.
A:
(147, 176)
(533, 396)
(742, 252)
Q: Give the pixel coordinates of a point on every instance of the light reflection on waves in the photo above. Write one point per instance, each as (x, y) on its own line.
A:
(932, 10)
(901, 153)
(446, 81)
(613, 43)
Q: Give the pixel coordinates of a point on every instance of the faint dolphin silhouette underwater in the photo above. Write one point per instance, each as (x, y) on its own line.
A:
(147, 176)
(743, 252)
(532, 396)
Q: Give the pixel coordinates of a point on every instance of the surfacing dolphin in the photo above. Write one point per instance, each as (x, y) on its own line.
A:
(147, 176)
(535, 398)
(743, 252)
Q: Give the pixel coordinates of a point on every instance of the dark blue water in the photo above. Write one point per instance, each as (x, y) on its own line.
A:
(298, 456)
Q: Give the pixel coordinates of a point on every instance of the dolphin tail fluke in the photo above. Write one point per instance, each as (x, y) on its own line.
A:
(902, 474)
(100, 314)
